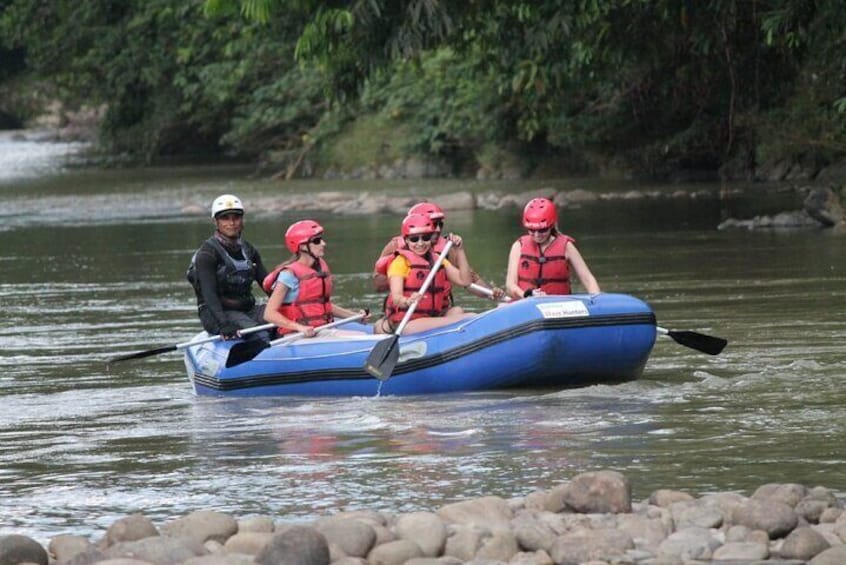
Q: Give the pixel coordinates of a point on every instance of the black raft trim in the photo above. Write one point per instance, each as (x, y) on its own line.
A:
(429, 360)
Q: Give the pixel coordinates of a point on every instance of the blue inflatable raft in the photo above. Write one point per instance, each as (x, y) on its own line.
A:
(544, 342)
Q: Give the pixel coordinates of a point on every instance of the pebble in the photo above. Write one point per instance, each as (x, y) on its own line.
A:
(588, 519)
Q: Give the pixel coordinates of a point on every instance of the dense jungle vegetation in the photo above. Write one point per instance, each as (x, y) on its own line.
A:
(656, 85)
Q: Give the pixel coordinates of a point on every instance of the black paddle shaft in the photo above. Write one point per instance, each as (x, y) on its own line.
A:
(142, 354)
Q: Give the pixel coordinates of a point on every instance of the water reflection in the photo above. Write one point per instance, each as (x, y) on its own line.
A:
(83, 446)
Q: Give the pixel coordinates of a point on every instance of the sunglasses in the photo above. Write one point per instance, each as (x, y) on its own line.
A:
(544, 230)
(439, 224)
(316, 240)
(415, 238)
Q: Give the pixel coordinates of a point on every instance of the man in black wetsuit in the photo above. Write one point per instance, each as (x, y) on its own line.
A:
(222, 272)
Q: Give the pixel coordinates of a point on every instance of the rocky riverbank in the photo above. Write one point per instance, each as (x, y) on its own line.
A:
(590, 519)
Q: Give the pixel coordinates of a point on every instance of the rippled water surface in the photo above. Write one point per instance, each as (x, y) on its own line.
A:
(92, 266)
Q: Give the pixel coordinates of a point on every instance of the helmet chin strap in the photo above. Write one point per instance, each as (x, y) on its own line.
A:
(304, 249)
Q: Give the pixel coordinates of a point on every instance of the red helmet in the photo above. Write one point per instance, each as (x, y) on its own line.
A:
(300, 232)
(428, 209)
(415, 224)
(539, 214)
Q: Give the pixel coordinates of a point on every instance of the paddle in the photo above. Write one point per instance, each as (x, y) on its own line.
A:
(247, 350)
(383, 358)
(694, 340)
(181, 346)
(700, 342)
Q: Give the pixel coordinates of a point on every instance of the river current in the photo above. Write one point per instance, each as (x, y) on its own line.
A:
(92, 265)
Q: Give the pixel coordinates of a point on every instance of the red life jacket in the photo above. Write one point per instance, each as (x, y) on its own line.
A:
(313, 306)
(434, 303)
(548, 270)
(384, 261)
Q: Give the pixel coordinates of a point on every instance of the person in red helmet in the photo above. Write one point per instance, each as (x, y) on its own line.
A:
(437, 216)
(406, 273)
(222, 272)
(540, 261)
(301, 288)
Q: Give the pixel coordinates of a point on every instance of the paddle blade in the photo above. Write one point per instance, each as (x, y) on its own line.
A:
(244, 351)
(700, 342)
(141, 354)
(383, 358)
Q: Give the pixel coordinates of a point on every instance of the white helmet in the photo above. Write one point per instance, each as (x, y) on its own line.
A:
(226, 203)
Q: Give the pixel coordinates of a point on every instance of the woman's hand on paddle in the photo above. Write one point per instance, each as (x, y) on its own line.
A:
(411, 299)
(457, 242)
(497, 293)
(307, 331)
(365, 313)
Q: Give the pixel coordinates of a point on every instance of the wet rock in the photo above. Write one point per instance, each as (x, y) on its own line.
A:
(586, 545)
(647, 533)
(425, 529)
(811, 510)
(741, 551)
(601, 491)
(783, 220)
(221, 559)
(500, 546)
(789, 493)
(65, 547)
(574, 197)
(87, 557)
(692, 543)
(354, 538)
(665, 497)
(16, 549)
(775, 518)
(202, 525)
(262, 524)
(248, 543)
(824, 205)
(690, 514)
(394, 553)
(464, 541)
(540, 557)
(491, 512)
(160, 550)
(532, 532)
(298, 545)
(131, 528)
(831, 556)
(803, 543)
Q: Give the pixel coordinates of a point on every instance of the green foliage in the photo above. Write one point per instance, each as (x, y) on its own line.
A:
(446, 104)
(666, 84)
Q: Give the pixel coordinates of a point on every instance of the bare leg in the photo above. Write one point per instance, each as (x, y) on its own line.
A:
(423, 324)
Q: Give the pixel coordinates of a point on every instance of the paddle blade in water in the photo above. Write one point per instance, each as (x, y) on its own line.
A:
(142, 354)
(383, 358)
(701, 342)
(244, 351)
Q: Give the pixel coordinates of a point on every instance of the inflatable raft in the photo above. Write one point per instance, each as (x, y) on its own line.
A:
(544, 342)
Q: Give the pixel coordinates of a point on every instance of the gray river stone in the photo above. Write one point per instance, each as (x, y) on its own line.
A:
(297, 545)
(803, 543)
(353, 537)
(775, 518)
(426, 529)
(16, 549)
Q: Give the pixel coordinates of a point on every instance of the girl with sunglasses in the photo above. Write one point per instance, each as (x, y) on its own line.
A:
(301, 288)
(406, 273)
(540, 261)
(436, 214)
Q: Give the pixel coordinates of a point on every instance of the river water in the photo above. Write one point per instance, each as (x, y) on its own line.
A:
(92, 266)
